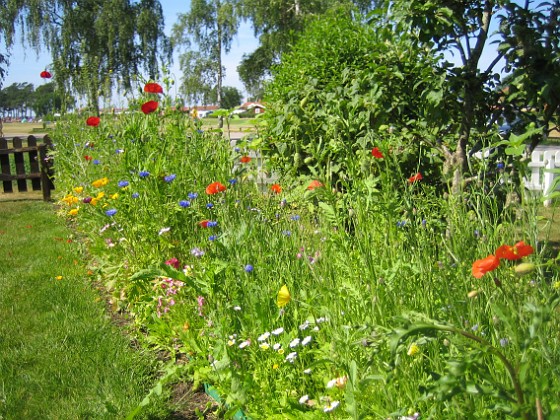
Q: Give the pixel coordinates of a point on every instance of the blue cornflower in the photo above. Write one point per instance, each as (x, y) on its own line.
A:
(96, 161)
(233, 181)
(135, 195)
(402, 223)
(295, 217)
(500, 165)
(111, 212)
(209, 205)
(211, 224)
(170, 178)
(504, 342)
(212, 237)
(286, 233)
(192, 195)
(249, 268)
(143, 174)
(123, 184)
(119, 151)
(184, 203)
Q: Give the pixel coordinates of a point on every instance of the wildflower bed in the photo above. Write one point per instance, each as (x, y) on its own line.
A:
(299, 301)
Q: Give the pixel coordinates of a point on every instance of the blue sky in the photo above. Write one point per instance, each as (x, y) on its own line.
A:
(25, 64)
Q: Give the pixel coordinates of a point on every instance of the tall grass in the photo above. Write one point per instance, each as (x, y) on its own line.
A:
(385, 318)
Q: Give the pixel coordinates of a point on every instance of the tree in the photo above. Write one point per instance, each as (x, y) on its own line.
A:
(530, 45)
(16, 99)
(94, 44)
(464, 28)
(211, 26)
(46, 100)
(336, 93)
(278, 24)
(199, 75)
(231, 97)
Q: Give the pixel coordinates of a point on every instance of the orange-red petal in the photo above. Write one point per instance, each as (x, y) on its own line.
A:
(483, 266)
(314, 184)
(214, 188)
(516, 252)
(149, 107)
(153, 88)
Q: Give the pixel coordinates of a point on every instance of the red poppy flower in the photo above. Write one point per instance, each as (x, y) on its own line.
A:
(214, 188)
(415, 178)
(88, 158)
(245, 159)
(203, 223)
(153, 88)
(376, 153)
(481, 267)
(276, 188)
(314, 184)
(149, 107)
(45, 74)
(93, 121)
(516, 252)
(173, 262)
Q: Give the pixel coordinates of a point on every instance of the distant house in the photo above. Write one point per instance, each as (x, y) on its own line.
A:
(258, 107)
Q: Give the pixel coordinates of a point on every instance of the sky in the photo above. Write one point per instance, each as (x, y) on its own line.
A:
(26, 65)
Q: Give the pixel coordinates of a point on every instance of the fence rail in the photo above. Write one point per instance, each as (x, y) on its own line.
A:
(21, 163)
(544, 167)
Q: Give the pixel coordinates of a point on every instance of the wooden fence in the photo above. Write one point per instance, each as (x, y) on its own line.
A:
(21, 163)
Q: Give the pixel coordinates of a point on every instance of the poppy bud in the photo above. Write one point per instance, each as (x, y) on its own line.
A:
(472, 293)
(524, 268)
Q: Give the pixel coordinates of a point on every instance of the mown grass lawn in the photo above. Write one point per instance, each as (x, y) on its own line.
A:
(60, 355)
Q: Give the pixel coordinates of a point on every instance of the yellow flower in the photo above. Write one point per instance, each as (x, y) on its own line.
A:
(73, 212)
(70, 199)
(114, 196)
(280, 351)
(59, 277)
(264, 346)
(100, 195)
(275, 366)
(101, 182)
(284, 297)
(94, 201)
(556, 285)
(78, 190)
(413, 350)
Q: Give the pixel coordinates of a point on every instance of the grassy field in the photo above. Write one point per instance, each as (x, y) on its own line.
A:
(10, 129)
(61, 357)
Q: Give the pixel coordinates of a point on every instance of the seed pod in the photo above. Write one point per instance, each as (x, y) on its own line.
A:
(524, 268)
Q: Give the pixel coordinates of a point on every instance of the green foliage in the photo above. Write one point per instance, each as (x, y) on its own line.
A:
(385, 318)
(231, 97)
(532, 54)
(278, 24)
(345, 88)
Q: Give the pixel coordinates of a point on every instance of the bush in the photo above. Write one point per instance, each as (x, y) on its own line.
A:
(347, 87)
